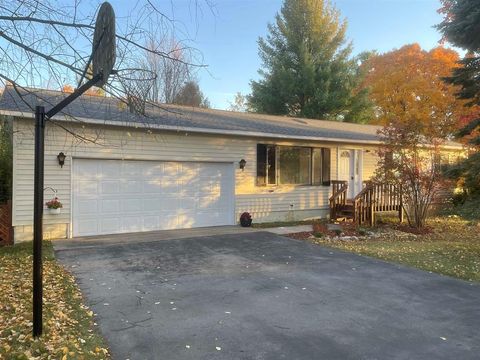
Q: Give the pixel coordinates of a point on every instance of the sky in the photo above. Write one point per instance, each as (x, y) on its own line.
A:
(227, 33)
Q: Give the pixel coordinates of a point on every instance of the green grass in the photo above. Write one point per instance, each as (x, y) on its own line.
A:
(453, 248)
(69, 331)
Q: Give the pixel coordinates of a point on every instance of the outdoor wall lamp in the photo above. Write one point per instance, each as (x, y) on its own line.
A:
(242, 164)
(61, 159)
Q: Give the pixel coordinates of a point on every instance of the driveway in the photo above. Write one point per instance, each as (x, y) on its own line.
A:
(259, 295)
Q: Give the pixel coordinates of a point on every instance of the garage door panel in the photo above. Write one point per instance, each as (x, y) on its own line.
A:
(87, 187)
(153, 205)
(131, 186)
(131, 205)
(151, 222)
(111, 168)
(110, 187)
(109, 225)
(89, 169)
(153, 186)
(109, 205)
(132, 224)
(113, 196)
(87, 206)
(86, 226)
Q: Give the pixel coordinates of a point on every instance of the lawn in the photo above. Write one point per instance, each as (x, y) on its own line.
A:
(452, 248)
(69, 330)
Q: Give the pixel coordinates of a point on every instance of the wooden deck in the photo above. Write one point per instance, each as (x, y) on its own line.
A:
(374, 198)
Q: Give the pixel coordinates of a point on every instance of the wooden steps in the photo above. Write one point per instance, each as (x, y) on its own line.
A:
(346, 212)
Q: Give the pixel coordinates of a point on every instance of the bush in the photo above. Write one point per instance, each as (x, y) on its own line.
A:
(5, 160)
(468, 209)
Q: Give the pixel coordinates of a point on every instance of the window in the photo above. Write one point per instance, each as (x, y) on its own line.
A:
(271, 165)
(261, 165)
(317, 167)
(266, 165)
(292, 165)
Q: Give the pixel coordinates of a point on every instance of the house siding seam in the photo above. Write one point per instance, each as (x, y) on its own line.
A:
(264, 203)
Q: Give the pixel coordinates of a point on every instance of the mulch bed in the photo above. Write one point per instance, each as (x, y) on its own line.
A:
(300, 236)
(350, 229)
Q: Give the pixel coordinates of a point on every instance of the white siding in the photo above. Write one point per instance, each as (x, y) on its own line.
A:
(264, 203)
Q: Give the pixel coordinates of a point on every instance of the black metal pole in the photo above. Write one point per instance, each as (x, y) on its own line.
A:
(40, 118)
(37, 220)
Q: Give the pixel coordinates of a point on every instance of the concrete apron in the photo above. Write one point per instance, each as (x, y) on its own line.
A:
(147, 236)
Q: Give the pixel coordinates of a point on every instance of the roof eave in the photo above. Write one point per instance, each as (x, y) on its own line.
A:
(80, 120)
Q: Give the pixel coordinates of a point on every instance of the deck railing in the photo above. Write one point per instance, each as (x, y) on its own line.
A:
(373, 198)
(377, 197)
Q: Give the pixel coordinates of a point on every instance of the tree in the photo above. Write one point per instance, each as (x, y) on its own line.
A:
(46, 45)
(240, 103)
(307, 66)
(5, 159)
(408, 83)
(460, 27)
(170, 73)
(408, 159)
(419, 112)
(191, 95)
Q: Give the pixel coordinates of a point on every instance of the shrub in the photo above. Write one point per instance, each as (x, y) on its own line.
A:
(362, 232)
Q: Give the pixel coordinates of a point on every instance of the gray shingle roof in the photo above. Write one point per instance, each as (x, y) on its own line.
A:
(111, 110)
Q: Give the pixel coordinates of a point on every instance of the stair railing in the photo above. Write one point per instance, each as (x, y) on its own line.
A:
(363, 205)
(339, 197)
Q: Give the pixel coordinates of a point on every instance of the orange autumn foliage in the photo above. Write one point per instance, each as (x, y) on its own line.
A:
(68, 89)
(93, 91)
(406, 85)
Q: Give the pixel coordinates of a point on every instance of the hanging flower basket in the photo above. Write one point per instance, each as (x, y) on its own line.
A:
(54, 206)
(246, 219)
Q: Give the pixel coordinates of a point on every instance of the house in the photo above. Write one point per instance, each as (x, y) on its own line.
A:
(178, 167)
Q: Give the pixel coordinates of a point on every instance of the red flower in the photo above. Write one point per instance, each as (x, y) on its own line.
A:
(54, 204)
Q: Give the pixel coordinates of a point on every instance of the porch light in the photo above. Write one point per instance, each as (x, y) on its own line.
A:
(242, 164)
(61, 159)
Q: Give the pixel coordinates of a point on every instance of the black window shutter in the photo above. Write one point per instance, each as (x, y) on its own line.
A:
(326, 166)
(261, 165)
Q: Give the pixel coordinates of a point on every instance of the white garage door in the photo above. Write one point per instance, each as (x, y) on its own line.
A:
(113, 196)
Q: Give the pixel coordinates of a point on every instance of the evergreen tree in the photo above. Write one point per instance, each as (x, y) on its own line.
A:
(307, 68)
(5, 159)
(461, 27)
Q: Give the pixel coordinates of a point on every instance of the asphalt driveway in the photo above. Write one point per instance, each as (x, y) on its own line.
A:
(262, 296)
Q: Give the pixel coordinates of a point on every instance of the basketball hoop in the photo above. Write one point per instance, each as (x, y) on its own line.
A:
(103, 46)
(103, 60)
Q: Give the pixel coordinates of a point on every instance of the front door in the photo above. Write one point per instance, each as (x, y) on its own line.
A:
(350, 169)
